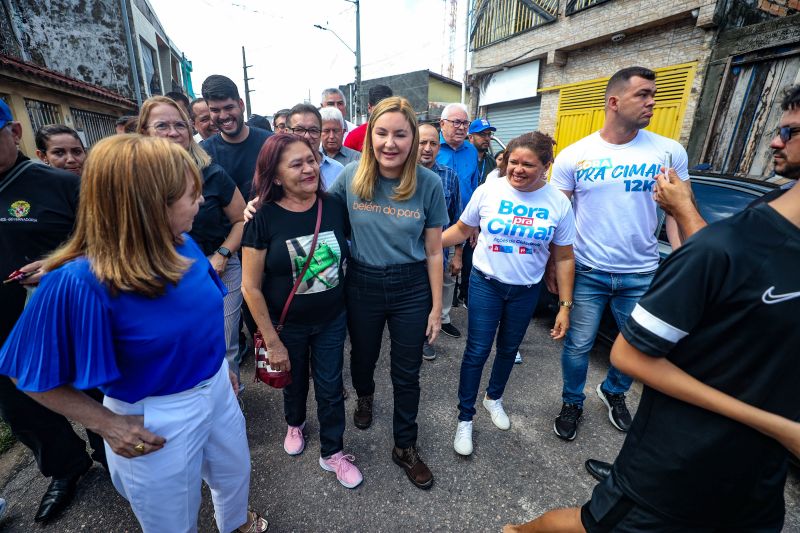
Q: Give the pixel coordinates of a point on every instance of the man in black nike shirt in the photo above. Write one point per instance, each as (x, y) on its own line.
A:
(715, 342)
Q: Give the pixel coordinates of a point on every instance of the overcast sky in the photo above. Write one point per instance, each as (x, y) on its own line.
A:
(292, 59)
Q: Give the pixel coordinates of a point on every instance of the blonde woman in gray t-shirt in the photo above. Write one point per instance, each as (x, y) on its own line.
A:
(397, 210)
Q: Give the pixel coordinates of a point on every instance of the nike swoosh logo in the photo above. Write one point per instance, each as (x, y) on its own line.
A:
(769, 298)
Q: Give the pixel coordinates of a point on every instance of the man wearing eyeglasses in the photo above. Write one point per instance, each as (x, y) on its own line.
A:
(459, 154)
(237, 145)
(480, 135)
(333, 130)
(306, 121)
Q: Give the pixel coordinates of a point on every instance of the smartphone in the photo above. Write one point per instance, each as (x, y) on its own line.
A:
(667, 162)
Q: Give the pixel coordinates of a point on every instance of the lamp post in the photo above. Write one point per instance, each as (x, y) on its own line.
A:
(356, 103)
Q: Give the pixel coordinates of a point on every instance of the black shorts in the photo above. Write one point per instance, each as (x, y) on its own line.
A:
(611, 510)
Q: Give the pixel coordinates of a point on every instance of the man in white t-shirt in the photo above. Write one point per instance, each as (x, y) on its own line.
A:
(610, 176)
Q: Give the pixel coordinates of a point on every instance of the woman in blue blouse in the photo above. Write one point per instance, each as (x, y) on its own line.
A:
(132, 306)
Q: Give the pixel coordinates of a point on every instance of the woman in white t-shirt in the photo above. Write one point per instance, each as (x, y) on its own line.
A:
(521, 218)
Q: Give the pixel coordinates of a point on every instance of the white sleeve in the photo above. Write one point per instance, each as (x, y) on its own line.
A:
(563, 175)
(565, 230)
(680, 162)
(471, 215)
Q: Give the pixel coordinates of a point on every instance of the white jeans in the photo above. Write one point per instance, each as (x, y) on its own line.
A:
(206, 441)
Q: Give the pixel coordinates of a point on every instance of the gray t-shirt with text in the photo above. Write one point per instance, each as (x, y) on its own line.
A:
(386, 231)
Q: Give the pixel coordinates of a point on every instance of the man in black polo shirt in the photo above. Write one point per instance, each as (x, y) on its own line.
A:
(37, 212)
(715, 342)
(235, 148)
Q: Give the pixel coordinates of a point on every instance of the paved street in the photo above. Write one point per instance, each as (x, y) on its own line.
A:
(512, 476)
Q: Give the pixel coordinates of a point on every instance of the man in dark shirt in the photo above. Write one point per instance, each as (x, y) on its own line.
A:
(37, 213)
(235, 148)
(714, 340)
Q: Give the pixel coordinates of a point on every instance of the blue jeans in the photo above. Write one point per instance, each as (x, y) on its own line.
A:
(323, 347)
(494, 308)
(593, 290)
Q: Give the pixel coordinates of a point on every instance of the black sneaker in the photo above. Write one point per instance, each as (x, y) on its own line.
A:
(362, 416)
(618, 412)
(428, 352)
(566, 424)
(451, 330)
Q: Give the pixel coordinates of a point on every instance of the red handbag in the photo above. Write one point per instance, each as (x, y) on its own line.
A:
(264, 372)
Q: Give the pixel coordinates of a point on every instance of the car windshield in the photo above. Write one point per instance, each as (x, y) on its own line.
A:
(716, 203)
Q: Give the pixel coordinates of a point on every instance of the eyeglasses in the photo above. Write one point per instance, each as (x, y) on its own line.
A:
(312, 132)
(485, 134)
(786, 132)
(457, 123)
(328, 131)
(280, 126)
(164, 127)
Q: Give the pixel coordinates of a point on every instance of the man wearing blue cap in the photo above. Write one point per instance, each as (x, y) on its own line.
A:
(480, 135)
(37, 213)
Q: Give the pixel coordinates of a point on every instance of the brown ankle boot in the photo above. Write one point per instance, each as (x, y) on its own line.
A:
(409, 460)
(362, 416)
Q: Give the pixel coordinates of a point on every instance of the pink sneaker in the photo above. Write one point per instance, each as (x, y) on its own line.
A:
(346, 472)
(294, 443)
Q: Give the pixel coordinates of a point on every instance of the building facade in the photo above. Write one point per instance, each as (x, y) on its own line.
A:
(83, 64)
(577, 44)
(428, 92)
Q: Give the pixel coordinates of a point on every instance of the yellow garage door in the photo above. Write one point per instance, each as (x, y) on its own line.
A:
(581, 105)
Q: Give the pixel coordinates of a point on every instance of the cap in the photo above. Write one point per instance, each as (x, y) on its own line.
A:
(5, 114)
(480, 124)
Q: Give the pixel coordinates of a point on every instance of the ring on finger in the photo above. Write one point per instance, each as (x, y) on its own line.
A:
(139, 448)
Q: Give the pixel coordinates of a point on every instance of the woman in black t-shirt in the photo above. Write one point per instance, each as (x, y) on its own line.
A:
(276, 247)
(218, 226)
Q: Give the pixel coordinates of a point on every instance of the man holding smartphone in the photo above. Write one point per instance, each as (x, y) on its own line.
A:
(610, 176)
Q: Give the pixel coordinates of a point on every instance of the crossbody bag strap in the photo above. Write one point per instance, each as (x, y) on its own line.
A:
(305, 267)
(14, 175)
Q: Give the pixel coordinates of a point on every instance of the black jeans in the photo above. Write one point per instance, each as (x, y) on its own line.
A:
(58, 450)
(466, 268)
(399, 295)
(323, 346)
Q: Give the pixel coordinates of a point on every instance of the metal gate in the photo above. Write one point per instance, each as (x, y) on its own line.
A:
(581, 106)
(93, 125)
(42, 113)
(512, 119)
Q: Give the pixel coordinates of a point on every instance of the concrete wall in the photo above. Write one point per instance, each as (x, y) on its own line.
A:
(83, 39)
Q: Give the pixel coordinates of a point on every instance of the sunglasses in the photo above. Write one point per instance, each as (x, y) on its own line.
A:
(786, 132)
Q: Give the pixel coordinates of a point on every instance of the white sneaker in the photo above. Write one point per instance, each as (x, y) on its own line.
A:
(518, 358)
(495, 408)
(462, 444)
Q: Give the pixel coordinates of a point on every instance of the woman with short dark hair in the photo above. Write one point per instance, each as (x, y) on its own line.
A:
(280, 256)
(60, 146)
(521, 217)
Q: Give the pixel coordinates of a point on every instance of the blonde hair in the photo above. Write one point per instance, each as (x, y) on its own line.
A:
(201, 158)
(366, 175)
(123, 224)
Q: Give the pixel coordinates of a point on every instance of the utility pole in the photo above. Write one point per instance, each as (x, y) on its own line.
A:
(358, 61)
(466, 58)
(247, 90)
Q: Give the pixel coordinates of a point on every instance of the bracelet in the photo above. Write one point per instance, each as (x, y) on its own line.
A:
(565, 303)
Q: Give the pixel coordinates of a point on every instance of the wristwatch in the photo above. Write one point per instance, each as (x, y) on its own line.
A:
(224, 252)
(565, 303)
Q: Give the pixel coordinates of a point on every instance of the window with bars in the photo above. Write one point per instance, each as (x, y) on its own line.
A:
(94, 126)
(42, 113)
(496, 20)
(573, 6)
